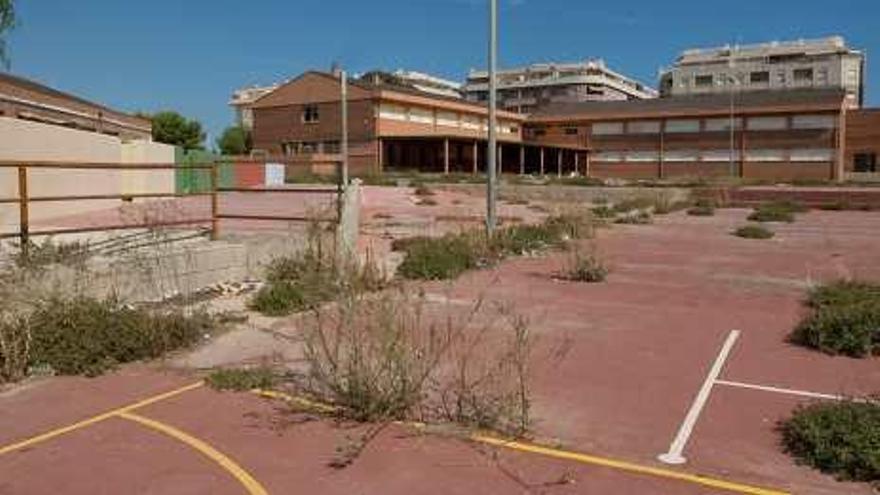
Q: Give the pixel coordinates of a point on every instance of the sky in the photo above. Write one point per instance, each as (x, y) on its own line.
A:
(189, 55)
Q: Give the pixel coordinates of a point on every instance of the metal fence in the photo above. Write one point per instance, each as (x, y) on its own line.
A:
(213, 192)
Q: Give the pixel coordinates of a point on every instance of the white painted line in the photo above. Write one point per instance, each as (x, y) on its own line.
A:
(674, 455)
(778, 390)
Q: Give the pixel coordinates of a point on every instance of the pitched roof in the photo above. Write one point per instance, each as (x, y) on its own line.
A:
(745, 102)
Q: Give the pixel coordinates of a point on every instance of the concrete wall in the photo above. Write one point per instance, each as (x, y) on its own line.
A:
(24, 140)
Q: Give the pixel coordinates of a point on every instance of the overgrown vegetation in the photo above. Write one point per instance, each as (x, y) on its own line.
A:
(313, 277)
(584, 267)
(754, 232)
(386, 358)
(49, 252)
(703, 207)
(777, 211)
(82, 335)
(839, 438)
(242, 379)
(448, 256)
(844, 318)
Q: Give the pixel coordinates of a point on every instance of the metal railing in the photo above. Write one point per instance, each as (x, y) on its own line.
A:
(24, 199)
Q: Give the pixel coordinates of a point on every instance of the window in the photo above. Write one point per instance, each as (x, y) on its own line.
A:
(865, 162)
(703, 80)
(642, 156)
(571, 131)
(812, 155)
(803, 75)
(540, 132)
(421, 115)
(767, 123)
(392, 112)
(765, 155)
(722, 124)
(682, 125)
(607, 128)
(681, 156)
(643, 127)
(822, 77)
(720, 155)
(310, 114)
(760, 77)
(780, 77)
(608, 156)
(448, 119)
(813, 122)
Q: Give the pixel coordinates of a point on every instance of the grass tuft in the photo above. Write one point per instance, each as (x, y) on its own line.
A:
(754, 232)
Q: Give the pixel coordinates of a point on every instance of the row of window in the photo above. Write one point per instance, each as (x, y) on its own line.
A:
(718, 155)
(715, 125)
(441, 118)
(309, 147)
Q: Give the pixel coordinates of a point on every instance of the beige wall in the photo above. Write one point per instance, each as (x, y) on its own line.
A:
(24, 140)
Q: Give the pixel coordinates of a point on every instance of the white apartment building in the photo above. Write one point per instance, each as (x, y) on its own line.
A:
(523, 89)
(243, 100)
(819, 63)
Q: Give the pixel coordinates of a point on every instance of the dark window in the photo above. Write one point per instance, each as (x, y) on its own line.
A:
(760, 77)
(310, 114)
(539, 132)
(571, 131)
(803, 75)
(332, 147)
(865, 162)
(705, 80)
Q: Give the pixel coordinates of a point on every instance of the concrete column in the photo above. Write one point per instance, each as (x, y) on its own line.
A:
(522, 160)
(446, 156)
(577, 157)
(542, 160)
(500, 159)
(380, 154)
(559, 162)
(347, 228)
(476, 156)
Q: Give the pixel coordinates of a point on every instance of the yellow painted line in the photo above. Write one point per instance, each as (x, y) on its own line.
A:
(252, 486)
(29, 442)
(567, 455)
(627, 466)
(309, 404)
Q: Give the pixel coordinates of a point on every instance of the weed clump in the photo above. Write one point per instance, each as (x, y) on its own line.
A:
(451, 255)
(844, 319)
(777, 211)
(584, 267)
(242, 379)
(839, 438)
(87, 336)
(753, 232)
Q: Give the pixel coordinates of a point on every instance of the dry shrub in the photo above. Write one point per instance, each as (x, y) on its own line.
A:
(391, 357)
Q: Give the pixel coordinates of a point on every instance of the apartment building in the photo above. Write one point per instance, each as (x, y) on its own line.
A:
(243, 102)
(826, 63)
(523, 89)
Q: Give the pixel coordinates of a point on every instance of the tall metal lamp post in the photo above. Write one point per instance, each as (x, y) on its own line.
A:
(491, 159)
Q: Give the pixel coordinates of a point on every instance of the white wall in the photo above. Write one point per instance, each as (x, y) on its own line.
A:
(24, 140)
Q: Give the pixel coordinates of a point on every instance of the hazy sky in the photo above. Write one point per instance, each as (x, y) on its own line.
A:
(188, 55)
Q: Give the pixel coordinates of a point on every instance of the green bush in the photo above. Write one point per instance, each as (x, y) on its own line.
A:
(839, 438)
(844, 319)
(777, 211)
(448, 256)
(89, 336)
(701, 211)
(242, 379)
(639, 218)
(843, 293)
(440, 258)
(753, 232)
(603, 211)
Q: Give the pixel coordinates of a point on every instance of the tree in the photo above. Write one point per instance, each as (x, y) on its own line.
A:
(235, 140)
(7, 22)
(172, 128)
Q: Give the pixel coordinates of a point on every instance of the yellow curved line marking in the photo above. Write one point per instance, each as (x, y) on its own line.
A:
(564, 454)
(627, 466)
(252, 486)
(29, 442)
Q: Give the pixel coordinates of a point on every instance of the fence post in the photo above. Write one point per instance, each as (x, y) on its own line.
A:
(23, 223)
(215, 221)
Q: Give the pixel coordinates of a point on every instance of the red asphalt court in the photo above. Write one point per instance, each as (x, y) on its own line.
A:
(628, 359)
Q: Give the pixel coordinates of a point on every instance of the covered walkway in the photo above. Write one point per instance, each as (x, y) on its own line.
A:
(456, 155)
